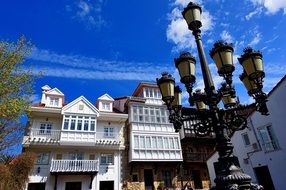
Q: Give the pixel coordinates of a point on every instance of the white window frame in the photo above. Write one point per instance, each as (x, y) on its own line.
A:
(43, 158)
(54, 101)
(108, 132)
(146, 114)
(144, 142)
(45, 128)
(106, 106)
(267, 138)
(89, 120)
(106, 159)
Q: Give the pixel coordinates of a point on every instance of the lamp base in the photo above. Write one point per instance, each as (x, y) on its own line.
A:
(229, 176)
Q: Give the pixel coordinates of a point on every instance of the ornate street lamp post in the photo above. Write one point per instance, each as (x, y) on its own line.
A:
(208, 117)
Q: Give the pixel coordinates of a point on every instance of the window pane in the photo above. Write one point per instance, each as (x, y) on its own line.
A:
(160, 142)
(86, 125)
(79, 125)
(166, 143)
(171, 143)
(154, 142)
(92, 125)
(148, 142)
(142, 142)
(246, 139)
(66, 124)
(72, 124)
(136, 142)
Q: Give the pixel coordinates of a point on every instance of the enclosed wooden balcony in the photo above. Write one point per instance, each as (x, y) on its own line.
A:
(74, 166)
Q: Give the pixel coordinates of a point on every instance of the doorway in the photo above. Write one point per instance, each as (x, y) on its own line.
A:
(106, 185)
(148, 179)
(197, 179)
(73, 186)
(36, 186)
(263, 177)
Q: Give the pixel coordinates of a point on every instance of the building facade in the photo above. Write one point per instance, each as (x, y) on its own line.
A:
(155, 154)
(196, 151)
(79, 145)
(260, 148)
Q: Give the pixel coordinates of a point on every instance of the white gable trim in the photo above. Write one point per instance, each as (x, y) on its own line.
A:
(106, 97)
(81, 98)
(55, 90)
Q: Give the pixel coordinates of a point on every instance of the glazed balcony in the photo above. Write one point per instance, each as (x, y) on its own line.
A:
(74, 166)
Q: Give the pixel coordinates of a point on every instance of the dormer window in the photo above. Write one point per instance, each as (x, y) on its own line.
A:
(54, 101)
(152, 93)
(106, 106)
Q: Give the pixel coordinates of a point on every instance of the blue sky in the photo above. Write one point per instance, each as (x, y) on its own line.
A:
(92, 47)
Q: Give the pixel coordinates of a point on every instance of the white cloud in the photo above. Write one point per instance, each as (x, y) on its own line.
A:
(77, 66)
(225, 35)
(88, 12)
(178, 32)
(272, 6)
(257, 11)
(255, 40)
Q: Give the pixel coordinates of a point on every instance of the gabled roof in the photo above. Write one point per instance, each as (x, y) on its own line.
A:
(81, 98)
(55, 91)
(106, 97)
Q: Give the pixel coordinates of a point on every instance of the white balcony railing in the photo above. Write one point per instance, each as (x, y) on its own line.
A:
(45, 134)
(74, 166)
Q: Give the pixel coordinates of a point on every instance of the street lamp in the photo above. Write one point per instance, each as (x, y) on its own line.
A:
(207, 117)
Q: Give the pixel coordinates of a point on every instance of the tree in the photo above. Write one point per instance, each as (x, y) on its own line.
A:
(14, 171)
(16, 88)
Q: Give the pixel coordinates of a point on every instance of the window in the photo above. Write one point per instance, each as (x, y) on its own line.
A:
(79, 123)
(149, 114)
(91, 157)
(167, 178)
(66, 122)
(245, 139)
(54, 101)
(92, 125)
(43, 158)
(136, 142)
(76, 156)
(134, 177)
(72, 124)
(45, 128)
(86, 123)
(268, 140)
(106, 105)
(108, 132)
(152, 93)
(106, 159)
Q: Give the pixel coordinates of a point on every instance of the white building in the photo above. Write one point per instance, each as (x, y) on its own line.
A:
(154, 146)
(261, 148)
(79, 145)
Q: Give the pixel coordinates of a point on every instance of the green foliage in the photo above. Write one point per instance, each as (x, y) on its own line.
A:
(16, 84)
(15, 171)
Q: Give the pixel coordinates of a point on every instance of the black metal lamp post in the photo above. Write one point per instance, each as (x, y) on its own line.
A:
(207, 114)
